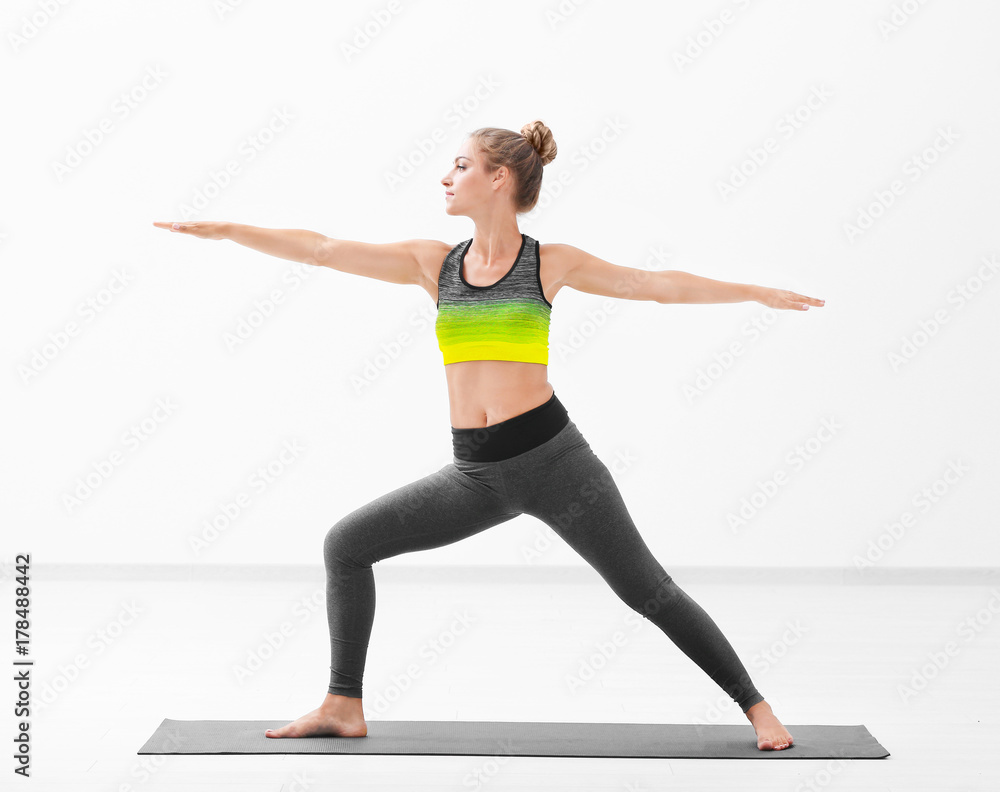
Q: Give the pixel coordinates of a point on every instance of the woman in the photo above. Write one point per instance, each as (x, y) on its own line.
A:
(516, 451)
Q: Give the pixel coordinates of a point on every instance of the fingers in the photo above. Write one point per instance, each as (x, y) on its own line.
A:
(783, 299)
(172, 226)
(801, 303)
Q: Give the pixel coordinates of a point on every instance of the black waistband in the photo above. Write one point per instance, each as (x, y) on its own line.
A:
(511, 437)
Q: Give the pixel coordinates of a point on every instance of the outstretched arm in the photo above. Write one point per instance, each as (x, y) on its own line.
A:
(683, 287)
(588, 273)
(293, 244)
(395, 262)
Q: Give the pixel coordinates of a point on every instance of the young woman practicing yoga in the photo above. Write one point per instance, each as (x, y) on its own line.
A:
(516, 450)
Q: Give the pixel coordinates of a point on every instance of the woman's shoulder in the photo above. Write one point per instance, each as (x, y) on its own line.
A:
(558, 256)
(431, 251)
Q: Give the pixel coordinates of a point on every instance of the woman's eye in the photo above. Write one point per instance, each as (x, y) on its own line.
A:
(460, 167)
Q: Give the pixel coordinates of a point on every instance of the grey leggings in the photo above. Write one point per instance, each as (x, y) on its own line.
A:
(561, 482)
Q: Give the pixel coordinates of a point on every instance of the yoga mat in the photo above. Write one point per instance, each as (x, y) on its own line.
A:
(511, 738)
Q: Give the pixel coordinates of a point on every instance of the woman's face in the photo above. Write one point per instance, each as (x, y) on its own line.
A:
(467, 184)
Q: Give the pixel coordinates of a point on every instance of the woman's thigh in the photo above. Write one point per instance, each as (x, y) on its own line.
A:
(438, 509)
(568, 487)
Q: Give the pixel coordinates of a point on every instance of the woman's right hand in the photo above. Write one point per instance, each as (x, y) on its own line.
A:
(203, 229)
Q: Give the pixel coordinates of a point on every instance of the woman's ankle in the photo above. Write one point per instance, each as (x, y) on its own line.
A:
(341, 704)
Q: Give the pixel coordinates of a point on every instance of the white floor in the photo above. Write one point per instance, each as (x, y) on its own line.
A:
(113, 658)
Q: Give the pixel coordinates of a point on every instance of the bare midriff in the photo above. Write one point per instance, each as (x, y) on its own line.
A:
(486, 392)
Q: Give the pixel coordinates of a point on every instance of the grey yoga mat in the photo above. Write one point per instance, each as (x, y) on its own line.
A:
(511, 738)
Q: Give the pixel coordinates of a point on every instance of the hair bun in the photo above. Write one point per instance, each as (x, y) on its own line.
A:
(541, 140)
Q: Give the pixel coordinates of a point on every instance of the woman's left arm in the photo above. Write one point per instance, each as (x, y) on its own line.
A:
(683, 287)
(584, 272)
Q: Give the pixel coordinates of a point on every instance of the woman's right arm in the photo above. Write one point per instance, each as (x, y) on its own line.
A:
(395, 262)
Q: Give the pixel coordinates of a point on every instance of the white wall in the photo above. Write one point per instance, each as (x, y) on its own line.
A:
(644, 143)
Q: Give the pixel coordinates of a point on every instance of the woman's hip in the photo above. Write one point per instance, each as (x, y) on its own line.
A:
(511, 438)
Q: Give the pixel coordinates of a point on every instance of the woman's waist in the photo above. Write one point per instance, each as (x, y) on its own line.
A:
(512, 436)
(488, 395)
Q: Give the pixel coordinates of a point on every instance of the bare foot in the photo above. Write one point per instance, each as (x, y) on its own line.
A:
(334, 718)
(771, 735)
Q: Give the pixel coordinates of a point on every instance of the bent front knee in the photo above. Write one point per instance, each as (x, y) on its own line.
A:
(342, 548)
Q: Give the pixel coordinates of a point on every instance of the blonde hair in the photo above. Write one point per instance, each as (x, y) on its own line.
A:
(524, 154)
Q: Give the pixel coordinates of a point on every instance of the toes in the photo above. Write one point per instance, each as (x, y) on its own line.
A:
(773, 743)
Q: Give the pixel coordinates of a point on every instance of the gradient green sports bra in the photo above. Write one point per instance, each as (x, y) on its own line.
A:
(507, 320)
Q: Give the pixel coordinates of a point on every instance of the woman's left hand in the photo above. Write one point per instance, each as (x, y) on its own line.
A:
(788, 300)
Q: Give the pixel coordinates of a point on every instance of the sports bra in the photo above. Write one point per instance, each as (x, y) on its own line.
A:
(507, 320)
